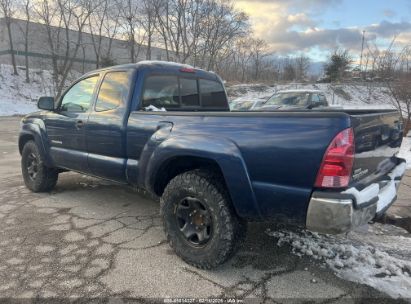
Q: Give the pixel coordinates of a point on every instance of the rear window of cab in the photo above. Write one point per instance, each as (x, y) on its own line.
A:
(176, 93)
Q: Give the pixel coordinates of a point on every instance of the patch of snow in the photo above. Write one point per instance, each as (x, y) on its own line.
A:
(152, 108)
(19, 97)
(365, 194)
(405, 151)
(386, 196)
(372, 257)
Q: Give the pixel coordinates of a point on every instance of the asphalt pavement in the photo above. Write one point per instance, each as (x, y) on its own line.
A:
(90, 238)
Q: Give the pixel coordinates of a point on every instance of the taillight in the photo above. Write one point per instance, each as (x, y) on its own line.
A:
(336, 167)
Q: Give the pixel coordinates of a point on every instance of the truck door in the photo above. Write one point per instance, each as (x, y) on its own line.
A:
(106, 127)
(65, 127)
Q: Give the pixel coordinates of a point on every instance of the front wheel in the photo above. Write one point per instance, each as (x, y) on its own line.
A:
(199, 221)
(37, 177)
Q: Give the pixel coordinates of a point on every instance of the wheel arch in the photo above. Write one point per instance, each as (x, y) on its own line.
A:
(180, 154)
(32, 131)
(180, 164)
(23, 139)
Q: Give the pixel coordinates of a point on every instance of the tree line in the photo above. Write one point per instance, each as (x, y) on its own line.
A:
(209, 34)
(388, 67)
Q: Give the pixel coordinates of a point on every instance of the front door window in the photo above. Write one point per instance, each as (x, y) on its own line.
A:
(79, 97)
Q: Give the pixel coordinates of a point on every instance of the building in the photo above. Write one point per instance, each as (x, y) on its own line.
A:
(40, 55)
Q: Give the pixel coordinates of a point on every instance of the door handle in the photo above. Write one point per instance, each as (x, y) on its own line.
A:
(79, 124)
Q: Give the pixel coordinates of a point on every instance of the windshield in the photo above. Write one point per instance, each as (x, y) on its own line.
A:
(288, 99)
(242, 105)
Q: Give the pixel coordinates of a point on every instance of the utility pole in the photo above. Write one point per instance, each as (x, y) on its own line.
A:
(362, 49)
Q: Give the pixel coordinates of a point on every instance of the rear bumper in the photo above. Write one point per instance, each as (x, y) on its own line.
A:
(340, 212)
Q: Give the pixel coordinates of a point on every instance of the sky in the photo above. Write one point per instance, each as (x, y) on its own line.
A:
(316, 27)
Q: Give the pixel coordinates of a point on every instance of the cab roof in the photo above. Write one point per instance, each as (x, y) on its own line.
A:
(301, 91)
(161, 67)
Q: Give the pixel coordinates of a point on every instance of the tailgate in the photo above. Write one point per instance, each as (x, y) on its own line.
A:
(378, 137)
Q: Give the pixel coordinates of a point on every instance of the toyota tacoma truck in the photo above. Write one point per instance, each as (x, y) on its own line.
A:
(167, 128)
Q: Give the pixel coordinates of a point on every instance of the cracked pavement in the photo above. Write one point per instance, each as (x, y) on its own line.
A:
(91, 238)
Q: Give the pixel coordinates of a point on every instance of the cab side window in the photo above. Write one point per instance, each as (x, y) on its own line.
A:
(113, 91)
(161, 91)
(212, 94)
(189, 92)
(79, 97)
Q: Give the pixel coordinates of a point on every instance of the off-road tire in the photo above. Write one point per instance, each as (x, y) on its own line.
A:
(228, 229)
(46, 178)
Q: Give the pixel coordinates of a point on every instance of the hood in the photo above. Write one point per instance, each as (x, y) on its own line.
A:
(34, 115)
(280, 108)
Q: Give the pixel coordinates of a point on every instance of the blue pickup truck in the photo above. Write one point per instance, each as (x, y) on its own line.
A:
(167, 128)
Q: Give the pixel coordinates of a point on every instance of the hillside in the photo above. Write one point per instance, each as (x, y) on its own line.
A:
(19, 97)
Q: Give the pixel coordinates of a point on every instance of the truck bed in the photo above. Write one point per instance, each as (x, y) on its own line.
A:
(281, 151)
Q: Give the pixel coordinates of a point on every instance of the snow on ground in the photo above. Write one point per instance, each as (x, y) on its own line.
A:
(19, 97)
(405, 151)
(378, 256)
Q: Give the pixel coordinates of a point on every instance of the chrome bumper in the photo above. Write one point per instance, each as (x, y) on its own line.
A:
(340, 212)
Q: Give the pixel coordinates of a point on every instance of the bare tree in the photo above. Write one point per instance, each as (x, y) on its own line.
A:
(289, 69)
(401, 93)
(64, 21)
(398, 82)
(259, 50)
(221, 25)
(96, 27)
(170, 20)
(391, 67)
(302, 65)
(130, 22)
(148, 20)
(7, 9)
(110, 30)
(103, 27)
(211, 34)
(26, 10)
(199, 32)
(242, 57)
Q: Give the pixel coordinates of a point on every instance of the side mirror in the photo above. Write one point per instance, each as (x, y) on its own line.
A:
(46, 103)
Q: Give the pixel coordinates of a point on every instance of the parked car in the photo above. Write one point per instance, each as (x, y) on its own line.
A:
(294, 99)
(246, 105)
(167, 128)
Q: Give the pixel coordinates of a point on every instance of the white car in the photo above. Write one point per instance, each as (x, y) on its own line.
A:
(294, 99)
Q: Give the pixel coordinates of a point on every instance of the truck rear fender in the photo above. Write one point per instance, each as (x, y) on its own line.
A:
(204, 150)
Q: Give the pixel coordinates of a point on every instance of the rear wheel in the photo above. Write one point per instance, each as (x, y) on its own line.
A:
(199, 221)
(37, 177)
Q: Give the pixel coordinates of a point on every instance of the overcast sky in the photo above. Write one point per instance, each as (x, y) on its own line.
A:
(317, 26)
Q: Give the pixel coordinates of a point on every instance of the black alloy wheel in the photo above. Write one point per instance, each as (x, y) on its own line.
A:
(32, 166)
(194, 221)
